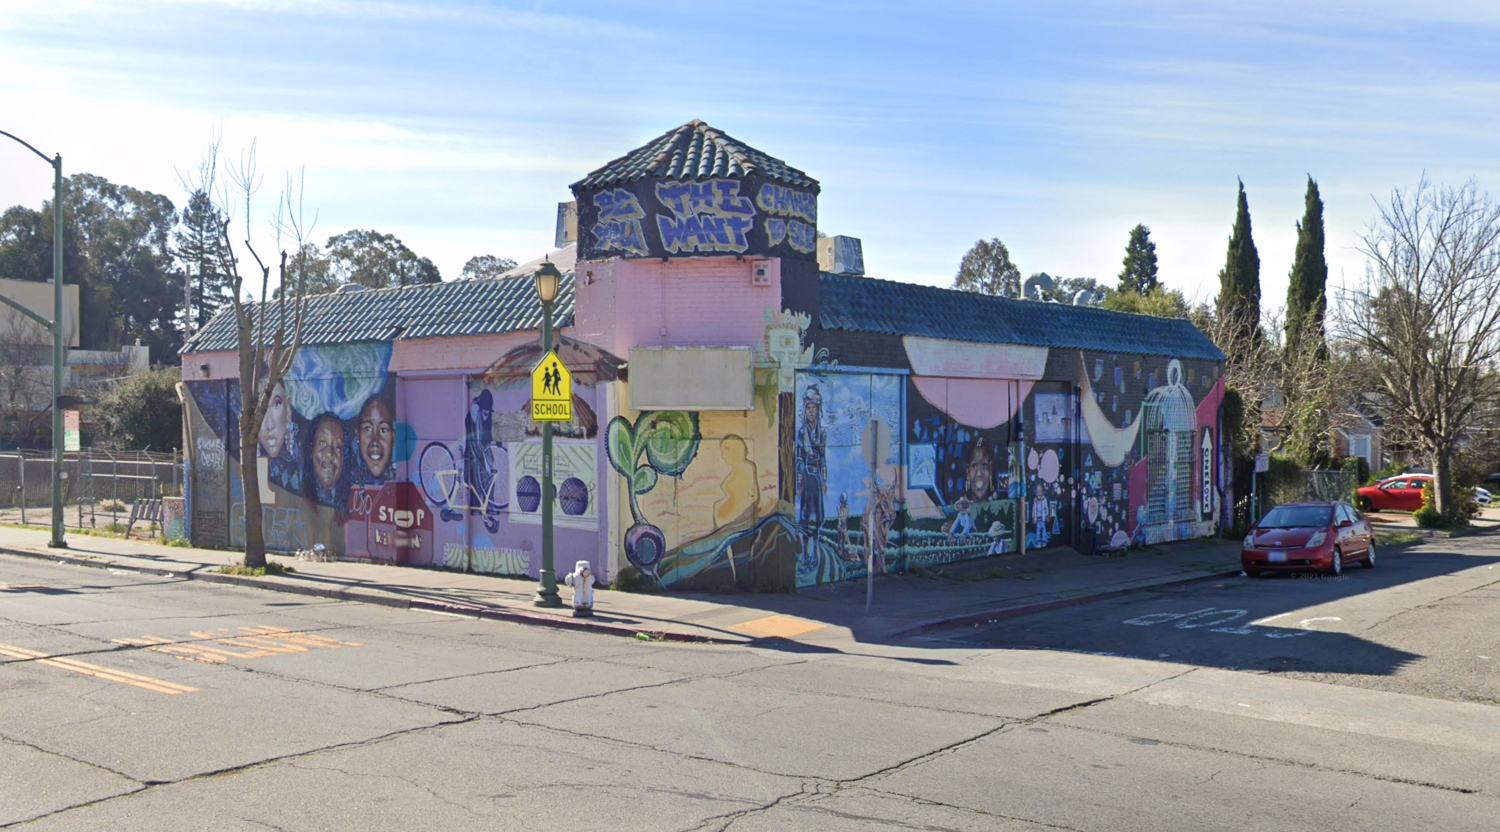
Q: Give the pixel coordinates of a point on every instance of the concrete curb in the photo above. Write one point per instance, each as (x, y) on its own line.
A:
(396, 601)
(1002, 613)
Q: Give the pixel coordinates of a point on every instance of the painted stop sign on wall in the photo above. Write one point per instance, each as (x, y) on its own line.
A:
(398, 522)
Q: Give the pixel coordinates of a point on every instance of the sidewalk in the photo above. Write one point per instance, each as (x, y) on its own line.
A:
(827, 617)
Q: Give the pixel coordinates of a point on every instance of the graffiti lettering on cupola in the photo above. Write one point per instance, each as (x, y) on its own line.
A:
(791, 208)
(707, 216)
(619, 225)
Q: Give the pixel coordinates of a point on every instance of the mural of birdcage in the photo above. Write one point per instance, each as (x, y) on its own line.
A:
(1169, 423)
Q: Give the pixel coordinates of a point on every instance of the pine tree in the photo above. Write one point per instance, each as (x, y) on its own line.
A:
(1306, 298)
(1239, 282)
(1139, 274)
(197, 242)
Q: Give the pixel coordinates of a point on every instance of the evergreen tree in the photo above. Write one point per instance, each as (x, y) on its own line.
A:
(1139, 274)
(987, 269)
(486, 267)
(1306, 298)
(198, 242)
(378, 261)
(117, 248)
(1239, 282)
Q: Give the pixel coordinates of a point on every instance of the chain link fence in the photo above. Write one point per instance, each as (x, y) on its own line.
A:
(98, 490)
(1292, 486)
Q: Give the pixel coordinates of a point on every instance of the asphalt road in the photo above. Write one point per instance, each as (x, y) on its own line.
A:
(1425, 621)
(139, 703)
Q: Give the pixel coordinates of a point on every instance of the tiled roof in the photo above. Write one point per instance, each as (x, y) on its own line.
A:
(461, 307)
(694, 151)
(863, 304)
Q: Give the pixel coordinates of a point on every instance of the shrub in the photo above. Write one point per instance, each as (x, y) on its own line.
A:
(1457, 517)
(1286, 481)
(1359, 468)
(142, 412)
(1390, 470)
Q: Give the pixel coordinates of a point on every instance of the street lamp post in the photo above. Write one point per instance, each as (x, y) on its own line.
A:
(57, 325)
(548, 280)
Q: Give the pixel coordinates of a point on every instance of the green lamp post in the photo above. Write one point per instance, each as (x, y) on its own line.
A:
(57, 325)
(548, 282)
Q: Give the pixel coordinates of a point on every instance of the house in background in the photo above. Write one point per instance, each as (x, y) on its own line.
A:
(750, 410)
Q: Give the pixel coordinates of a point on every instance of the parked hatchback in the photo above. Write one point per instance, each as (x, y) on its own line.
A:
(1319, 536)
(1401, 493)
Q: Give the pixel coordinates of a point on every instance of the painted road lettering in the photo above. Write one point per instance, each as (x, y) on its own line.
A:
(1217, 620)
(244, 643)
(98, 672)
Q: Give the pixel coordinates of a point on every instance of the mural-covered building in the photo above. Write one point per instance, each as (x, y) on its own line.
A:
(744, 417)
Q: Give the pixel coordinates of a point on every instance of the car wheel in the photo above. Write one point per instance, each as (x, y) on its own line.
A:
(1363, 503)
(1370, 556)
(1338, 563)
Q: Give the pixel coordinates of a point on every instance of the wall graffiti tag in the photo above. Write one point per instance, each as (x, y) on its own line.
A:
(618, 226)
(709, 216)
(793, 216)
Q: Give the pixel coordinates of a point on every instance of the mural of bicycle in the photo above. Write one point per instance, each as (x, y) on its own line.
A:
(455, 481)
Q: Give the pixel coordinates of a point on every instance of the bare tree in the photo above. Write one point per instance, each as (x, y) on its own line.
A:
(25, 379)
(1428, 316)
(269, 331)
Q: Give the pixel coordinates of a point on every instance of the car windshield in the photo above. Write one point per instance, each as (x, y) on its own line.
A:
(1293, 517)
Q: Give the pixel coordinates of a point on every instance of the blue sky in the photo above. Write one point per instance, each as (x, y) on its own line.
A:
(1055, 126)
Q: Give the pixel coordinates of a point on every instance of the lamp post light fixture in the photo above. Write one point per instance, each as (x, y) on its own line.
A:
(56, 325)
(548, 280)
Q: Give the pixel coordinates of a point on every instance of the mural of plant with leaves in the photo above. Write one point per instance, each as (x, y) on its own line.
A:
(669, 439)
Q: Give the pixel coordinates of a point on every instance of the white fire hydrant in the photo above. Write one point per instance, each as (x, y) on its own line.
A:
(582, 581)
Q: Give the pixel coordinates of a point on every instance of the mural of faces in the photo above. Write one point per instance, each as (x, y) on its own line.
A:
(328, 450)
(376, 436)
(273, 429)
(981, 473)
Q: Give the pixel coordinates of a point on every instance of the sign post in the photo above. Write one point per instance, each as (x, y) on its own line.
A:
(1262, 465)
(551, 401)
(72, 438)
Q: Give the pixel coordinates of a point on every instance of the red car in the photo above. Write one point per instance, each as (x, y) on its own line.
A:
(1402, 493)
(1301, 536)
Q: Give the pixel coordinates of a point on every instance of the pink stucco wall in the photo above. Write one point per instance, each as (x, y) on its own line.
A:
(220, 365)
(695, 301)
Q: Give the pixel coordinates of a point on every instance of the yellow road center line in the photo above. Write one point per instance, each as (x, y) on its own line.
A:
(109, 674)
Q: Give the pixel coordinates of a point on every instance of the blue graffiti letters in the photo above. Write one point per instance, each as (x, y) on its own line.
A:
(717, 197)
(779, 199)
(775, 231)
(801, 236)
(707, 216)
(704, 233)
(619, 223)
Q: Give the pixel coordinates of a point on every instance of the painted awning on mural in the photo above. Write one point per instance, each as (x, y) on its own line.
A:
(589, 364)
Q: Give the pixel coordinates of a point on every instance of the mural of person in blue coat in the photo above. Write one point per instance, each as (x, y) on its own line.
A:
(812, 470)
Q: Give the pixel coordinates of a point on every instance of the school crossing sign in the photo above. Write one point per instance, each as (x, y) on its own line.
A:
(551, 390)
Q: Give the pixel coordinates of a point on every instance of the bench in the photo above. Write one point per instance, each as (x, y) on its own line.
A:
(145, 511)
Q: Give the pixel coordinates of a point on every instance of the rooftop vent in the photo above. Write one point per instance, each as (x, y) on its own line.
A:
(841, 255)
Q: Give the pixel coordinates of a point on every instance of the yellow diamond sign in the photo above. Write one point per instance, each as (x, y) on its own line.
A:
(551, 390)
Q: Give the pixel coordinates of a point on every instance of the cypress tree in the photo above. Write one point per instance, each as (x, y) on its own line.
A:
(1239, 282)
(1306, 298)
(198, 244)
(1139, 274)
